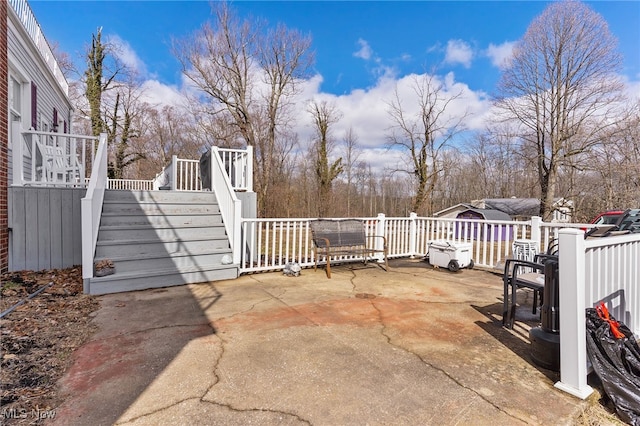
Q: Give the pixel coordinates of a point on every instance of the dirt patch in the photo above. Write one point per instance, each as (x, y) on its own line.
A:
(38, 338)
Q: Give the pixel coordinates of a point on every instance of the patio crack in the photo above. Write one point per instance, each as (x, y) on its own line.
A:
(354, 287)
(219, 404)
(441, 370)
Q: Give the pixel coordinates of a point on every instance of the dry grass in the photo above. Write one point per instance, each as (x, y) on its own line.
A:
(598, 411)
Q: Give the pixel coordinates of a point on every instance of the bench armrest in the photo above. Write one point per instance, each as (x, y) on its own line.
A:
(325, 240)
(384, 239)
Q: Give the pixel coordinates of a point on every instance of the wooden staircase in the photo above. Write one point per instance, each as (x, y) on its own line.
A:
(161, 238)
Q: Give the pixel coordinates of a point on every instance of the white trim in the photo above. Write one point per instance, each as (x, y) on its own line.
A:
(37, 42)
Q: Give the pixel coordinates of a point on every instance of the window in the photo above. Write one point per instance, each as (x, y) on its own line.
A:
(15, 97)
(15, 105)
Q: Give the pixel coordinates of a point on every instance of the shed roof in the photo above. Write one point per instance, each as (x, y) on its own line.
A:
(514, 206)
(488, 214)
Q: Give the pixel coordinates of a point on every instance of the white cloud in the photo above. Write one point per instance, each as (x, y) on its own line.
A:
(157, 93)
(500, 54)
(632, 88)
(124, 52)
(459, 52)
(365, 52)
(366, 112)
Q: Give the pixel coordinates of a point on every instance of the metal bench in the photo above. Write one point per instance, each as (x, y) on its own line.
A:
(344, 237)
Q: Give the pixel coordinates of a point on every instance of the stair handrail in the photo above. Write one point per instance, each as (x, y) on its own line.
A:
(228, 202)
(91, 212)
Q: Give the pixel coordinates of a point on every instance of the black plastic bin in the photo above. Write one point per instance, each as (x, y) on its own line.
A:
(545, 339)
(205, 170)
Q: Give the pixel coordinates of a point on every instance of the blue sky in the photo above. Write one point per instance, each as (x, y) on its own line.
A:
(400, 37)
(364, 49)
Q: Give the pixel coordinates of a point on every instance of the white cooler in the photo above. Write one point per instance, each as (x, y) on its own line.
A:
(451, 255)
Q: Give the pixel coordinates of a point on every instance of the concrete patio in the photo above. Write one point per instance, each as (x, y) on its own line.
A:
(411, 346)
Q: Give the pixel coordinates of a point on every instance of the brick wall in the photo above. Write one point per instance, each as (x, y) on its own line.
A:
(4, 140)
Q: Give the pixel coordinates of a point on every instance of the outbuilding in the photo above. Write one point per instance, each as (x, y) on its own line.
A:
(477, 230)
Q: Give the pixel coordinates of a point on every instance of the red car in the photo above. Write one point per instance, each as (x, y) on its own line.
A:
(608, 218)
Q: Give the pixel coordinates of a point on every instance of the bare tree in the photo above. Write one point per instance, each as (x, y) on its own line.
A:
(561, 86)
(324, 116)
(102, 70)
(424, 134)
(351, 156)
(165, 131)
(123, 119)
(249, 76)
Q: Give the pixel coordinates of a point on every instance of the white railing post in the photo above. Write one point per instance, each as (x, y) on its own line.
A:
(413, 234)
(174, 172)
(379, 244)
(249, 168)
(573, 335)
(536, 223)
(237, 247)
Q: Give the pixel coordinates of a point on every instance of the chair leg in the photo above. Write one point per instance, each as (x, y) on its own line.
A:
(505, 303)
(328, 265)
(535, 302)
(514, 302)
(512, 317)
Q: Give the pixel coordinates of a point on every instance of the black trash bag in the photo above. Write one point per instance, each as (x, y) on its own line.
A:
(615, 356)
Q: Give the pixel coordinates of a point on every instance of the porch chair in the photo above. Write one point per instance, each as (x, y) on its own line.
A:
(58, 167)
(525, 274)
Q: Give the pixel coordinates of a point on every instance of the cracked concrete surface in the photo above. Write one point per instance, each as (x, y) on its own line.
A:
(411, 346)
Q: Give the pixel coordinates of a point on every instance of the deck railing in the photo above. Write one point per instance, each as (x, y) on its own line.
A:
(593, 271)
(53, 159)
(239, 166)
(187, 175)
(131, 184)
(91, 206)
(271, 243)
(179, 175)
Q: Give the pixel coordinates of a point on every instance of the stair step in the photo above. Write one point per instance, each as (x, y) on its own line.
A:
(159, 209)
(111, 219)
(111, 249)
(180, 259)
(158, 196)
(142, 280)
(140, 232)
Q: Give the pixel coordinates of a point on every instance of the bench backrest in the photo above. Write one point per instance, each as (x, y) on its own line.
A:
(340, 233)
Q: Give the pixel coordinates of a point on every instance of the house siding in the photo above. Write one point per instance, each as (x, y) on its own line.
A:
(24, 58)
(46, 227)
(4, 141)
(44, 223)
